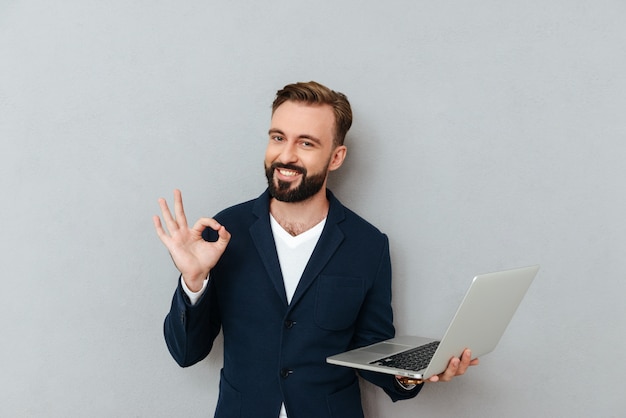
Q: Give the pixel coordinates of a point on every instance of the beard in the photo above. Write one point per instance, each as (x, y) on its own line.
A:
(282, 190)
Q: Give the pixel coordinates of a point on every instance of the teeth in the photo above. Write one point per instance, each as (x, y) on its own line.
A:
(288, 173)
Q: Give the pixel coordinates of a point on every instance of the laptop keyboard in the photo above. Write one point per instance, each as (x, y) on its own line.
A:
(413, 359)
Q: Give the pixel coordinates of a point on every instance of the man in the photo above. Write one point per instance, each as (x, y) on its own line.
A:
(291, 277)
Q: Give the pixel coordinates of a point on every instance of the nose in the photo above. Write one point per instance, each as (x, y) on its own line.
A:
(288, 154)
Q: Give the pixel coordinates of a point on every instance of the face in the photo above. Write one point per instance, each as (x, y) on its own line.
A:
(301, 151)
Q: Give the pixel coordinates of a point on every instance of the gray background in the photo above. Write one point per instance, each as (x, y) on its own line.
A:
(487, 135)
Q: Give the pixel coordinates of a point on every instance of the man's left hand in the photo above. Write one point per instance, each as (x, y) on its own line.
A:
(456, 367)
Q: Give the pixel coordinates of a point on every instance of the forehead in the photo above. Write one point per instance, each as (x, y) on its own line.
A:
(299, 118)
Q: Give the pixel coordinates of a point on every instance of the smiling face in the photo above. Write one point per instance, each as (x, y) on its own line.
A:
(301, 151)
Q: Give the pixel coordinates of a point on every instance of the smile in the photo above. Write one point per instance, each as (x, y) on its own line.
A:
(287, 173)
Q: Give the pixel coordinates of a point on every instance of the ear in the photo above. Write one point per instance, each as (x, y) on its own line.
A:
(339, 155)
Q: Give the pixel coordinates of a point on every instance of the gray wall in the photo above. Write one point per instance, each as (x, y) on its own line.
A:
(488, 135)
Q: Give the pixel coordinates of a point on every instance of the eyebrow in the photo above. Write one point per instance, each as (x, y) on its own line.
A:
(303, 136)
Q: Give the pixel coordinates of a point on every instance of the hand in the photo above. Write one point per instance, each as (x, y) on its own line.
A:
(193, 256)
(456, 367)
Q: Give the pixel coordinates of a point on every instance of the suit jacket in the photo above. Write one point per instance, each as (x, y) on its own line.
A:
(276, 352)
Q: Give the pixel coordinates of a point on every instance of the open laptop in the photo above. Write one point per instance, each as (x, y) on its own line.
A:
(478, 324)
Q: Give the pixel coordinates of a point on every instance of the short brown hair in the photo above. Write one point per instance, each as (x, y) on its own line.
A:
(315, 93)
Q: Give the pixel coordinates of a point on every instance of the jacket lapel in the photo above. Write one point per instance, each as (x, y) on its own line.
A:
(331, 238)
(261, 233)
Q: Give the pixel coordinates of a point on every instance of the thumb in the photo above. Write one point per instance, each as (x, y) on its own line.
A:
(223, 236)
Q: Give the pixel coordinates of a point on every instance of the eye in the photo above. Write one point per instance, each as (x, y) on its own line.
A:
(308, 143)
(277, 138)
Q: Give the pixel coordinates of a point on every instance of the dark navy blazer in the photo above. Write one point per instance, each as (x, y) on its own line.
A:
(276, 352)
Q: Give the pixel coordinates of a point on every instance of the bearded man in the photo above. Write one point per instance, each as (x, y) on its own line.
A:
(290, 278)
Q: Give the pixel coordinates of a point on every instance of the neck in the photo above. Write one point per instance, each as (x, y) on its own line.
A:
(299, 217)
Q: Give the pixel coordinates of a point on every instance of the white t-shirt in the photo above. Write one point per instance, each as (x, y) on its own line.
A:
(294, 254)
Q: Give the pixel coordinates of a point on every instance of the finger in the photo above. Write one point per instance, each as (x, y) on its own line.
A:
(451, 370)
(163, 236)
(179, 211)
(203, 223)
(466, 359)
(157, 225)
(170, 222)
(224, 235)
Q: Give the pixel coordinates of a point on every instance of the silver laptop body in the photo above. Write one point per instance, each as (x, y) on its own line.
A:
(478, 324)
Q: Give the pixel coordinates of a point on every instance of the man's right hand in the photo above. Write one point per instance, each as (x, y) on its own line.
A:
(193, 256)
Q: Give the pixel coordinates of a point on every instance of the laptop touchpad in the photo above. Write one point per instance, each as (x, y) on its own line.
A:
(386, 348)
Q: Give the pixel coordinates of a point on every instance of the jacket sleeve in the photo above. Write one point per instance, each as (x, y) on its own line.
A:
(375, 324)
(191, 329)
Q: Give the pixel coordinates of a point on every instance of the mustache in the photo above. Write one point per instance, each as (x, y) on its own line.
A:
(292, 167)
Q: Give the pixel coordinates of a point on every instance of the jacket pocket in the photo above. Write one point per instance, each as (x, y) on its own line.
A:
(229, 401)
(339, 300)
(346, 403)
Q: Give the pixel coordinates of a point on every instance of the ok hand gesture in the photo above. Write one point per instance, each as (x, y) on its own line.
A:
(193, 256)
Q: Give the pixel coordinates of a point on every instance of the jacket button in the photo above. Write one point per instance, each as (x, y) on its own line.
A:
(289, 323)
(284, 372)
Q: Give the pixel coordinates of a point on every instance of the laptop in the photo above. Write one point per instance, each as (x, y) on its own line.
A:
(478, 324)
